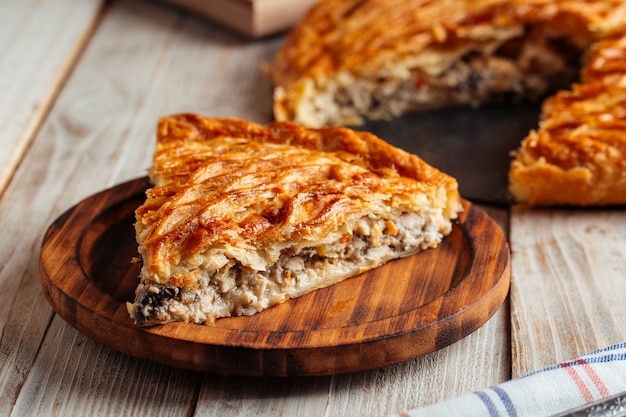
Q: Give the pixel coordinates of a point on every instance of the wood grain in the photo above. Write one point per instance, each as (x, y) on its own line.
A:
(40, 41)
(404, 309)
(82, 146)
(568, 284)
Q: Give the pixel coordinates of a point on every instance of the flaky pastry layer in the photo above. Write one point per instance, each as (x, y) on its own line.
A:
(243, 216)
(353, 60)
(578, 153)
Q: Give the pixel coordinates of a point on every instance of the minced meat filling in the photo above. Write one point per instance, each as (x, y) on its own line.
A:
(518, 70)
(243, 288)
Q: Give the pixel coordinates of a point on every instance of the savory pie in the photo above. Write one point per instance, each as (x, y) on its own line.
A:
(349, 61)
(242, 217)
(352, 60)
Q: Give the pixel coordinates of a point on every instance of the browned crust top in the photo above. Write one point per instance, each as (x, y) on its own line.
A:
(578, 153)
(357, 34)
(247, 185)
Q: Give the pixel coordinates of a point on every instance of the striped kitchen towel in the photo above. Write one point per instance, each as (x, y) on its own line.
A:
(553, 390)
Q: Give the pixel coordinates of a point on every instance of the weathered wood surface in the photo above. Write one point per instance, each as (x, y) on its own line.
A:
(568, 285)
(40, 41)
(145, 60)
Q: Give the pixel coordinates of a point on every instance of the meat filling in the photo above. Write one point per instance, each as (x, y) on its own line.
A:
(524, 68)
(295, 272)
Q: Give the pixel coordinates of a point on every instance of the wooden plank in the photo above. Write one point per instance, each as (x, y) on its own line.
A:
(83, 137)
(77, 377)
(476, 362)
(567, 285)
(40, 40)
(473, 363)
(400, 387)
(253, 18)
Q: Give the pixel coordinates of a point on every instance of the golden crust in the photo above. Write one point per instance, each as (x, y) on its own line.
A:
(357, 34)
(578, 154)
(526, 48)
(248, 187)
(368, 37)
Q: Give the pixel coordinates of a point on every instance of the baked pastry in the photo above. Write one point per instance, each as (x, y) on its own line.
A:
(352, 60)
(242, 216)
(577, 156)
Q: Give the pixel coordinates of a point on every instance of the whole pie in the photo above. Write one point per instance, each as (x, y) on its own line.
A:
(242, 216)
(349, 61)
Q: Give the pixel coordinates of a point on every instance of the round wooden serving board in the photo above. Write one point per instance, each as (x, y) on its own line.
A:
(402, 310)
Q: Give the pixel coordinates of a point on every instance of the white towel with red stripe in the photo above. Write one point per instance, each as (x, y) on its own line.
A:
(553, 390)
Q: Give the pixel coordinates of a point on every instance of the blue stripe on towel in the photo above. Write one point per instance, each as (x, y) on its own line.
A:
(506, 400)
(491, 407)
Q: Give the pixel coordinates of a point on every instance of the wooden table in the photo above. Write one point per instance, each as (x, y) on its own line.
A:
(83, 83)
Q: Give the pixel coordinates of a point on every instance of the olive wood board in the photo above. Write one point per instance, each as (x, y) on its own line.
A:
(397, 312)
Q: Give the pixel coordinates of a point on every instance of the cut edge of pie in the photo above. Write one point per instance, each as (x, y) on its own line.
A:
(348, 61)
(242, 217)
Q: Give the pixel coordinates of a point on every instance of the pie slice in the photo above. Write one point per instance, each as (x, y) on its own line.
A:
(242, 217)
(349, 61)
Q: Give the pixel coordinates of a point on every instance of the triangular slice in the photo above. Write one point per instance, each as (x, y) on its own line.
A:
(243, 217)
